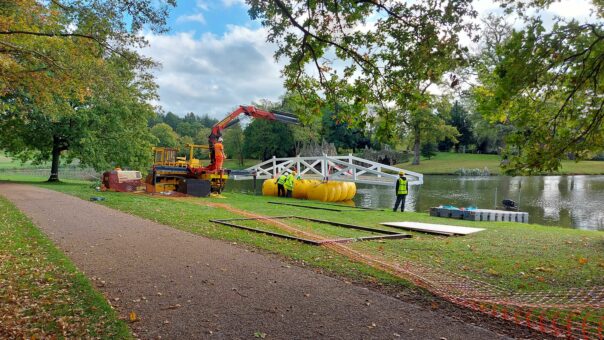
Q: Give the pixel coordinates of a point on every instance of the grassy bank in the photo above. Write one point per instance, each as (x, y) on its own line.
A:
(447, 163)
(519, 257)
(42, 295)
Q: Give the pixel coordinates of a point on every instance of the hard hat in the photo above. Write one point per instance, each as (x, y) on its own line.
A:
(401, 173)
(220, 139)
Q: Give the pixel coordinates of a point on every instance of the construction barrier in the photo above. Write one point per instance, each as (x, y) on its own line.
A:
(332, 191)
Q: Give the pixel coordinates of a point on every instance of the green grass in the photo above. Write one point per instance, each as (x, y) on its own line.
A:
(42, 294)
(446, 163)
(519, 257)
(234, 163)
(9, 163)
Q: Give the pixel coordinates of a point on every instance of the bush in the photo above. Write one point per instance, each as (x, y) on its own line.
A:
(385, 156)
(473, 172)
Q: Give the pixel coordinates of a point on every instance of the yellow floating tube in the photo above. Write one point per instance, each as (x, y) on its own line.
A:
(269, 188)
(315, 190)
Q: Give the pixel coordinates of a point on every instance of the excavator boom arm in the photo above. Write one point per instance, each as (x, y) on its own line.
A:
(250, 111)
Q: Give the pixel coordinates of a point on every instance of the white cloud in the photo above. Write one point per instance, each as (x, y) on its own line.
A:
(214, 74)
(202, 5)
(577, 9)
(229, 3)
(192, 18)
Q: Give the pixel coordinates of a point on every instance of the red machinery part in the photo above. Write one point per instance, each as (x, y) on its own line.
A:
(122, 181)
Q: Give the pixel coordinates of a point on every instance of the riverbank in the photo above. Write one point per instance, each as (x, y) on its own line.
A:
(42, 294)
(449, 163)
(516, 258)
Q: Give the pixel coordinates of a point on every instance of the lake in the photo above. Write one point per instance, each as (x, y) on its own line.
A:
(567, 201)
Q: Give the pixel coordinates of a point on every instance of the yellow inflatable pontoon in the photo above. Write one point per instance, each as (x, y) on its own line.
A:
(315, 190)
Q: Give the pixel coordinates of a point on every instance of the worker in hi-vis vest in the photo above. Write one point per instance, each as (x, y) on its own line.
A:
(402, 189)
(289, 184)
(280, 182)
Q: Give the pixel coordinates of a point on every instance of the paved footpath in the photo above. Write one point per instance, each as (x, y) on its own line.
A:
(185, 286)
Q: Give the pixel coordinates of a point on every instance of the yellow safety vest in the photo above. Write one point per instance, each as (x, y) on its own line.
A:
(402, 187)
(289, 182)
(281, 179)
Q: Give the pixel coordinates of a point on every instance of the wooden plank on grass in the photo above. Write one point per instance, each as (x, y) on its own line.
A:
(441, 229)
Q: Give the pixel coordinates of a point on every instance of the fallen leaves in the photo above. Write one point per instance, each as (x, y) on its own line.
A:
(40, 297)
(493, 272)
(582, 261)
(132, 316)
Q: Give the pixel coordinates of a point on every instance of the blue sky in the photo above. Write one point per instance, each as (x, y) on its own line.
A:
(209, 16)
(215, 58)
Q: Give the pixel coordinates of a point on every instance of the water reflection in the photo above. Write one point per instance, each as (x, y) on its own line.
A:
(570, 201)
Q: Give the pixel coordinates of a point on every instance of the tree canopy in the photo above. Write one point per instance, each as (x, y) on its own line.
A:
(543, 84)
(72, 81)
(547, 84)
(105, 130)
(55, 50)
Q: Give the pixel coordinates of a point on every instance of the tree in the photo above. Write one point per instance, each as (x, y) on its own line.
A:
(72, 82)
(460, 119)
(547, 86)
(428, 149)
(165, 135)
(409, 47)
(54, 51)
(107, 129)
(264, 139)
(233, 143)
(172, 120)
(207, 121)
(202, 135)
(546, 83)
(341, 134)
(428, 125)
(309, 129)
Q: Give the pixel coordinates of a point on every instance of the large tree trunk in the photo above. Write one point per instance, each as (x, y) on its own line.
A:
(416, 147)
(56, 156)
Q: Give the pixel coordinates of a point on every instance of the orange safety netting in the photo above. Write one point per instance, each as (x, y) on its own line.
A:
(572, 313)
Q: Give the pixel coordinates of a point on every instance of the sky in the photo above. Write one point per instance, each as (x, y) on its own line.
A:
(215, 57)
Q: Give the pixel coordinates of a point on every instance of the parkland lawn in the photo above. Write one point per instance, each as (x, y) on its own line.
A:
(518, 257)
(446, 163)
(42, 294)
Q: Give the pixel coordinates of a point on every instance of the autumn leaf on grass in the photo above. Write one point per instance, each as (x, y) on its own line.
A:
(493, 272)
(132, 316)
(582, 260)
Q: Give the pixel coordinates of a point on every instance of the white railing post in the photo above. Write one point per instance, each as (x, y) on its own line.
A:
(298, 170)
(274, 166)
(324, 166)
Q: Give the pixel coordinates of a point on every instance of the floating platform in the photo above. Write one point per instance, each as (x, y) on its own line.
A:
(481, 215)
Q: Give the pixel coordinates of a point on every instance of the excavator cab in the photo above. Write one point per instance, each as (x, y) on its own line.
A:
(165, 156)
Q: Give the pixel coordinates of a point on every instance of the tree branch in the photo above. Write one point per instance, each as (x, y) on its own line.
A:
(353, 54)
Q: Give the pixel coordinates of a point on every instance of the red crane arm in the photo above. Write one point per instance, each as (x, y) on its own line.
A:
(250, 111)
(231, 119)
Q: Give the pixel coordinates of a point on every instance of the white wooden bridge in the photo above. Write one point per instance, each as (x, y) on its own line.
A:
(340, 168)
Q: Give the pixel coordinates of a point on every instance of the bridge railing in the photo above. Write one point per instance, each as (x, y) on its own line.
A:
(342, 168)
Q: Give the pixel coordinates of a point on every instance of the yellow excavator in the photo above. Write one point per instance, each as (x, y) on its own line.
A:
(190, 176)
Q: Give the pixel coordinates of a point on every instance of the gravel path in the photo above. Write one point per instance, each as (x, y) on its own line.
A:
(183, 286)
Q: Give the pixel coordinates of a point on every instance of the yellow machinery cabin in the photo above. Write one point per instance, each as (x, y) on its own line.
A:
(173, 173)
